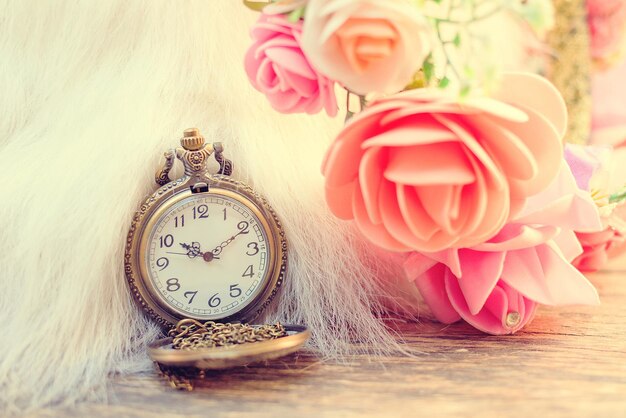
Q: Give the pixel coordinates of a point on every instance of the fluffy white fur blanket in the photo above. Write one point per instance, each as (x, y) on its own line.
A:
(92, 93)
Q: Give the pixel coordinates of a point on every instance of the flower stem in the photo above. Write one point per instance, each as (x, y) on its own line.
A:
(618, 197)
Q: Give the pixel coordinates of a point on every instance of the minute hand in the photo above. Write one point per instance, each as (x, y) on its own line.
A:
(243, 229)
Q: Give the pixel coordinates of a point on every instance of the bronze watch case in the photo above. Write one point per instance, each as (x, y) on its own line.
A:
(194, 155)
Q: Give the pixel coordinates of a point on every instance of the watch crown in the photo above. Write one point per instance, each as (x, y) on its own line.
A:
(192, 140)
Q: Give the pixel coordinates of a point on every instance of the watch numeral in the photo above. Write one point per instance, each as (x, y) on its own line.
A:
(163, 262)
(166, 241)
(200, 212)
(249, 272)
(179, 221)
(215, 301)
(172, 285)
(193, 295)
(243, 227)
(253, 246)
(235, 291)
(224, 213)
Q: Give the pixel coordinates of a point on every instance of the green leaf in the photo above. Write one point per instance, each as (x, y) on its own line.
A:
(296, 15)
(469, 72)
(465, 90)
(443, 83)
(428, 68)
(457, 40)
(418, 81)
(257, 6)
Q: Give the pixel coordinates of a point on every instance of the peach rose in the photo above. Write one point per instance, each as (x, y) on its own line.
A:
(366, 45)
(421, 171)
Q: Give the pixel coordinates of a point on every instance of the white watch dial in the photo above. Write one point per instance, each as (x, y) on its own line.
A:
(208, 256)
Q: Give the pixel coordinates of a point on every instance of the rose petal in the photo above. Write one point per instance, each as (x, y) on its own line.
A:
(480, 273)
(374, 232)
(560, 283)
(432, 288)
(530, 91)
(432, 164)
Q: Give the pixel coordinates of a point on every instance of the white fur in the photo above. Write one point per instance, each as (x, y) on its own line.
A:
(91, 94)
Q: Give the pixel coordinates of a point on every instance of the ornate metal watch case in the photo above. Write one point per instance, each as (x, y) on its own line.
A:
(195, 155)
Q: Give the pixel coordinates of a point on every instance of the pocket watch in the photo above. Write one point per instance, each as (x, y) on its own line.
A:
(207, 249)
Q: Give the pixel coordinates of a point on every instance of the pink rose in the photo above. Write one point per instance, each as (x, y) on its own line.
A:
(495, 286)
(277, 68)
(505, 310)
(600, 169)
(421, 171)
(598, 248)
(366, 45)
(607, 20)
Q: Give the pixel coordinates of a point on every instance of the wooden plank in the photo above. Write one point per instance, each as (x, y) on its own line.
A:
(570, 362)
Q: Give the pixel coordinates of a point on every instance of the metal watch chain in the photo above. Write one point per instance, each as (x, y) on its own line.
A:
(189, 334)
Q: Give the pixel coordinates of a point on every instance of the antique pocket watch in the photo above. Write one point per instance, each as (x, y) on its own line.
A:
(208, 249)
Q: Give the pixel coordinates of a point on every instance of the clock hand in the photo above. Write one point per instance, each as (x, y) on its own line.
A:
(170, 252)
(194, 251)
(191, 256)
(243, 229)
(218, 250)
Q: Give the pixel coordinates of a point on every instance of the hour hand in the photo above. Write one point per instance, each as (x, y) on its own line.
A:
(193, 249)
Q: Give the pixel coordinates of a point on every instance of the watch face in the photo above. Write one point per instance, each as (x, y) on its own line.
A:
(208, 256)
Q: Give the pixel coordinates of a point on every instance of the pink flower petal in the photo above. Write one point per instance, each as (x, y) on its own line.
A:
(342, 161)
(370, 179)
(497, 108)
(277, 67)
(424, 131)
(374, 232)
(514, 157)
(339, 200)
(493, 318)
(562, 204)
(417, 264)
(432, 164)
(559, 284)
(392, 218)
(518, 236)
(530, 91)
(417, 219)
(479, 275)
(432, 288)
(544, 142)
(568, 245)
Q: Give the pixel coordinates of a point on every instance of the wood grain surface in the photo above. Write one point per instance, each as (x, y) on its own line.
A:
(571, 362)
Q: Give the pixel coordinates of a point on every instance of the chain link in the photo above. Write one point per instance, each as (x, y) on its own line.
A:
(189, 334)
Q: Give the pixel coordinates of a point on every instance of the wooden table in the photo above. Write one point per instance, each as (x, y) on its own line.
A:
(570, 362)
